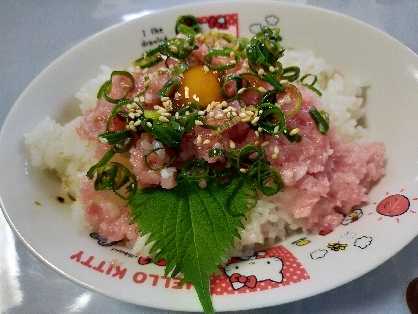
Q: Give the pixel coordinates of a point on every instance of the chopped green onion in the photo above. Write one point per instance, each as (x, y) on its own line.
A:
(106, 88)
(145, 159)
(321, 119)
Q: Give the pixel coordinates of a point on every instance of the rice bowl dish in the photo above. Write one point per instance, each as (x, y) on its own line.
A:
(265, 225)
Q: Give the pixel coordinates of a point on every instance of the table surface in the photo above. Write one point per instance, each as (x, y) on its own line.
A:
(35, 33)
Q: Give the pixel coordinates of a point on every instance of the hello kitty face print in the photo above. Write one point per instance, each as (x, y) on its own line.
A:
(256, 269)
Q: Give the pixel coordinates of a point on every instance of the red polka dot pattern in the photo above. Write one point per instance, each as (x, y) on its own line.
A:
(293, 272)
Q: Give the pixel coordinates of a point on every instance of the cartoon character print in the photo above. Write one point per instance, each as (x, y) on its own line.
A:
(247, 273)
(145, 260)
(102, 241)
(353, 216)
(393, 205)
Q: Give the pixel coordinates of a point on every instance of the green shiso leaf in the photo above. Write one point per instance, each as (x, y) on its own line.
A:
(192, 227)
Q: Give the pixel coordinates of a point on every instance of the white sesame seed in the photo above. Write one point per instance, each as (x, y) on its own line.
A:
(232, 55)
(195, 97)
(249, 113)
(137, 122)
(241, 90)
(276, 129)
(243, 170)
(177, 115)
(257, 133)
(165, 98)
(287, 100)
(186, 92)
(132, 127)
(103, 140)
(163, 119)
(205, 142)
(262, 89)
(219, 116)
(174, 49)
(201, 112)
(149, 124)
(142, 99)
(165, 114)
(198, 122)
(243, 115)
(231, 144)
(265, 144)
(260, 72)
(274, 156)
(276, 149)
(205, 68)
(255, 120)
(199, 139)
(271, 69)
(131, 115)
(211, 114)
(294, 131)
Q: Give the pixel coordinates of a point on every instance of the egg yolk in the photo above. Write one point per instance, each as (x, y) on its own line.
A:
(199, 86)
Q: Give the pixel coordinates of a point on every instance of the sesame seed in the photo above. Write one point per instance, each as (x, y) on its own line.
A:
(249, 113)
(205, 142)
(271, 69)
(276, 149)
(205, 68)
(265, 144)
(165, 98)
(243, 170)
(274, 156)
(142, 99)
(243, 115)
(211, 114)
(287, 100)
(145, 71)
(219, 116)
(149, 124)
(132, 127)
(255, 120)
(262, 89)
(163, 119)
(231, 144)
(196, 98)
(232, 55)
(165, 114)
(186, 92)
(199, 139)
(103, 140)
(233, 62)
(177, 115)
(241, 90)
(257, 133)
(201, 112)
(198, 122)
(276, 129)
(260, 72)
(174, 49)
(131, 115)
(137, 122)
(294, 131)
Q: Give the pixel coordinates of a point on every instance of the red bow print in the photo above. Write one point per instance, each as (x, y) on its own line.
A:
(250, 281)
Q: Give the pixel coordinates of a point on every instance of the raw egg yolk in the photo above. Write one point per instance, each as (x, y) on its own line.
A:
(199, 86)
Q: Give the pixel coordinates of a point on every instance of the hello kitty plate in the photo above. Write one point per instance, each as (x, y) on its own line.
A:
(301, 266)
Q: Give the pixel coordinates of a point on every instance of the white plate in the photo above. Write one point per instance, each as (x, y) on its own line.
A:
(28, 196)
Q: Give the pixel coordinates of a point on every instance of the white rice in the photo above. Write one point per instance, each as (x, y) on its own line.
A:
(57, 147)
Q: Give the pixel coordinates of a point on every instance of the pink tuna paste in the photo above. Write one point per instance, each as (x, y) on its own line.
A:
(326, 175)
